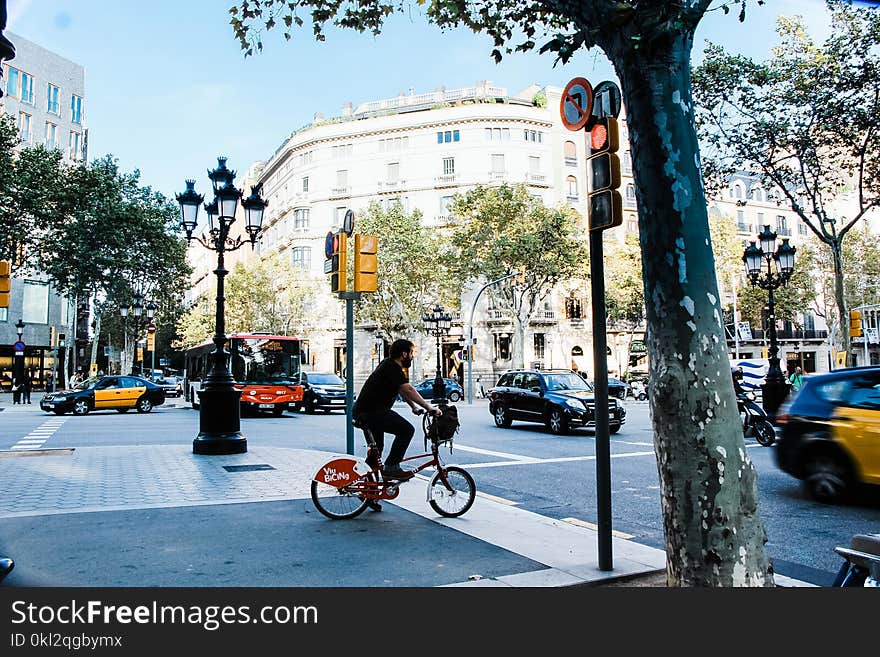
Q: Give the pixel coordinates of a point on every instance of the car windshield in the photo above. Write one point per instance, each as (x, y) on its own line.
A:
(565, 382)
(88, 384)
(325, 379)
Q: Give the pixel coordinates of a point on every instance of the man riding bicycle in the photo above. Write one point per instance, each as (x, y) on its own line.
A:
(372, 408)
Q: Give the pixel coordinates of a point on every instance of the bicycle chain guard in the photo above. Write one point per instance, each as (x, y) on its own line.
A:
(341, 472)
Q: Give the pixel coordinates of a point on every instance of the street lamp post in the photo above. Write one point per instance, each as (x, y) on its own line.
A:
(437, 323)
(18, 369)
(220, 415)
(779, 263)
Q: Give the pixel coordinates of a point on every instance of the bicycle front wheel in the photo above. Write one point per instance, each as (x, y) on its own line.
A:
(455, 502)
(337, 503)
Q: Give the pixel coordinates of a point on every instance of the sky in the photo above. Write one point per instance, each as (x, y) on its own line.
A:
(168, 88)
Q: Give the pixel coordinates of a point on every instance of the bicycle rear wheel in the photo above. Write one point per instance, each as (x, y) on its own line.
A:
(455, 502)
(337, 503)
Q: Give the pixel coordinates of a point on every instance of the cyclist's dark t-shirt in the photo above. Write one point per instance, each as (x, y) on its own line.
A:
(380, 389)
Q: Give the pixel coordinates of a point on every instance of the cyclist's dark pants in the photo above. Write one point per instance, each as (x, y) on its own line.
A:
(389, 422)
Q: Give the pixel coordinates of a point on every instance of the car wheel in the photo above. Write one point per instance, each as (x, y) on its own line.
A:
(81, 407)
(454, 396)
(144, 405)
(310, 408)
(278, 411)
(827, 475)
(614, 429)
(557, 422)
(502, 418)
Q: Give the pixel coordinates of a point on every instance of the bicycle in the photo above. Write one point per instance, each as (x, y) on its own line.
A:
(343, 487)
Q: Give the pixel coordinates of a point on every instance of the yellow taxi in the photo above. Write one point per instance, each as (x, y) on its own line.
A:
(830, 433)
(119, 393)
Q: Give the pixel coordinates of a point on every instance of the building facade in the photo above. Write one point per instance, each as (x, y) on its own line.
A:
(45, 93)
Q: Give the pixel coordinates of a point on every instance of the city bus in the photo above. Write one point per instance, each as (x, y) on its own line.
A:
(265, 367)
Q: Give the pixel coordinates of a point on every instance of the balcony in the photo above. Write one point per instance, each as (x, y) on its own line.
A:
(572, 198)
(783, 232)
(536, 180)
(571, 161)
(543, 317)
(499, 317)
(340, 192)
(391, 185)
(497, 176)
(629, 203)
(743, 228)
(446, 180)
(759, 335)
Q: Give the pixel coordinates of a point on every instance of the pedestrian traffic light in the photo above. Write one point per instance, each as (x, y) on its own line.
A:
(604, 206)
(338, 258)
(61, 342)
(52, 336)
(5, 283)
(366, 263)
(855, 324)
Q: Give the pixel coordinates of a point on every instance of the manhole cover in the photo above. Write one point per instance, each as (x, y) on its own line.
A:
(247, 468)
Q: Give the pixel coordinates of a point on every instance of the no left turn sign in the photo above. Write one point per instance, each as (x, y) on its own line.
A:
(576, 104)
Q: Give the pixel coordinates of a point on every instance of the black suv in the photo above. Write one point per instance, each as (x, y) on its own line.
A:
(558, 398)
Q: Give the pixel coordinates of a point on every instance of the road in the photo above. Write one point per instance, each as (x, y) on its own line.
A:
(524, 465)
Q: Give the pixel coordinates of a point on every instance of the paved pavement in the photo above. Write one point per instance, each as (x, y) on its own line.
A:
(162, 516)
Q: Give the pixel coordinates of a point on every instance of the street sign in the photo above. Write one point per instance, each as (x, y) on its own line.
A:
(872, 335)
(348, 222)
(606, 100)
(328, 248)
(18, 346)
(744, 330)
(576, 104)
(328, 266)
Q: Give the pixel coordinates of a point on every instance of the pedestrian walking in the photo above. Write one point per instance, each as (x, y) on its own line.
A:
(16, 390)
(26, 387)
(796, 379)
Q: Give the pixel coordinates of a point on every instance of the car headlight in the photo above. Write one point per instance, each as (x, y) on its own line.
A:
(575, 404)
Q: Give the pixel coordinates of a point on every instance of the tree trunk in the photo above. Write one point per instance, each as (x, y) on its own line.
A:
(97, 336)
(714, 536)
(518, 343)
(840, 296)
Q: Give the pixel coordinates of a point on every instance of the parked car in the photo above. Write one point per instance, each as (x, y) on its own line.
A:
(119, 393)
(616, 387)
(172, 385)
(322, 390)
(454, 391)
(561, 399)
(830, 432)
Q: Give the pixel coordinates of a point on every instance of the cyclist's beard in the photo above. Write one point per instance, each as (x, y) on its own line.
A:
(406, 362)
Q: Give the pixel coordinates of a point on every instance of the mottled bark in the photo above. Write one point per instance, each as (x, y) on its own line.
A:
(839, 295)
(714, 536)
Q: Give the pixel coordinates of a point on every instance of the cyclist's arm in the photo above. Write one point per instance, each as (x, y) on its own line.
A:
(412, 397)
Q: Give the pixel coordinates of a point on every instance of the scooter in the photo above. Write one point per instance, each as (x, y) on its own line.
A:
(861, 562)
(755, 422)
(639, 390)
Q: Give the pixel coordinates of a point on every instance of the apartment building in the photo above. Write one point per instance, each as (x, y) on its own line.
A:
(45, 93)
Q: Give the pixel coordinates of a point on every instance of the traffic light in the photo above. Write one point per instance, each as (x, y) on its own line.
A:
(5, 283)
(52, 336)
(366, 263)
(604, 207)
(855, 324)
(338, 258)
(61, 343)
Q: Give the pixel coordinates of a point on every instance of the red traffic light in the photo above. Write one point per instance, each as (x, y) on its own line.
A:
(604, 136)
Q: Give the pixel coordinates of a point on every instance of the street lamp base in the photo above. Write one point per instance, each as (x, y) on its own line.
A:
(219, 423)
(773, 394)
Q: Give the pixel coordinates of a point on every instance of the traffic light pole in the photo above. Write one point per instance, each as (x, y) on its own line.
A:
(350, 298)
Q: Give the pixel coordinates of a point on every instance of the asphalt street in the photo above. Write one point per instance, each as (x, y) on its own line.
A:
(523, 466)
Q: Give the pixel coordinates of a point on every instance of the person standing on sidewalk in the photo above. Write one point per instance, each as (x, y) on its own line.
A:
(26, 387)
(372, 408)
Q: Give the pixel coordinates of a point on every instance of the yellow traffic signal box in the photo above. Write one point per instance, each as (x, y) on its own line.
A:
(366, 263)
(52, 336)
(855, 324)
(339, 256)
(5, 283)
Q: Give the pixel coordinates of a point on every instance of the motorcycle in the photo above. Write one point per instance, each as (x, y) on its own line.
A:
(755, 422)
(639, 390)
(861, 562)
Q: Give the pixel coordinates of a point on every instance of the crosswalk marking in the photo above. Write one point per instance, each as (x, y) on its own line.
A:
(37, 437)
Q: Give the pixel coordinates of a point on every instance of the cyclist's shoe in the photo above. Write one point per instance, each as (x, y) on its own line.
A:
(374, 505)
(396, 472)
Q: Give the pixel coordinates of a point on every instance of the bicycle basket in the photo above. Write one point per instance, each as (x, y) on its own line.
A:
(441, 429)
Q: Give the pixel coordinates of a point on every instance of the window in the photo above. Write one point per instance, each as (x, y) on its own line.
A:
(802, 229)
(631, 193)
(75, 146)
(52, 105)
(533, 136)
(12, 82)
(737, 191)
(393, 172)
(339, 217)
(342, 178)
(760, 220)
(781, 224)
(51, 135)
(76, 109)
(35, 306)
(539, 345)
(573, 308)
(445, 202)
(569, 151)
(301, 257)
(24, 127)
(497, 163)
(534, 165)
(448, 166)
(27, 88)
(502, 350)
(447, 136)
(301, 219)
(497, 134)
(342, 151)
(627, 162)
(305, 183)
(4, 314)
(632, 226)
(572, 186)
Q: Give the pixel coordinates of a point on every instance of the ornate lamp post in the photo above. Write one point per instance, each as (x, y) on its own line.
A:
(438, 323)
(18, 363)
(219, 415)
(779, 263)
(136, 310)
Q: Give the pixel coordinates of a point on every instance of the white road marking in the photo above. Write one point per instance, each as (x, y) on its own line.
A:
(487, 452)
(562, 459)
(36, 438)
